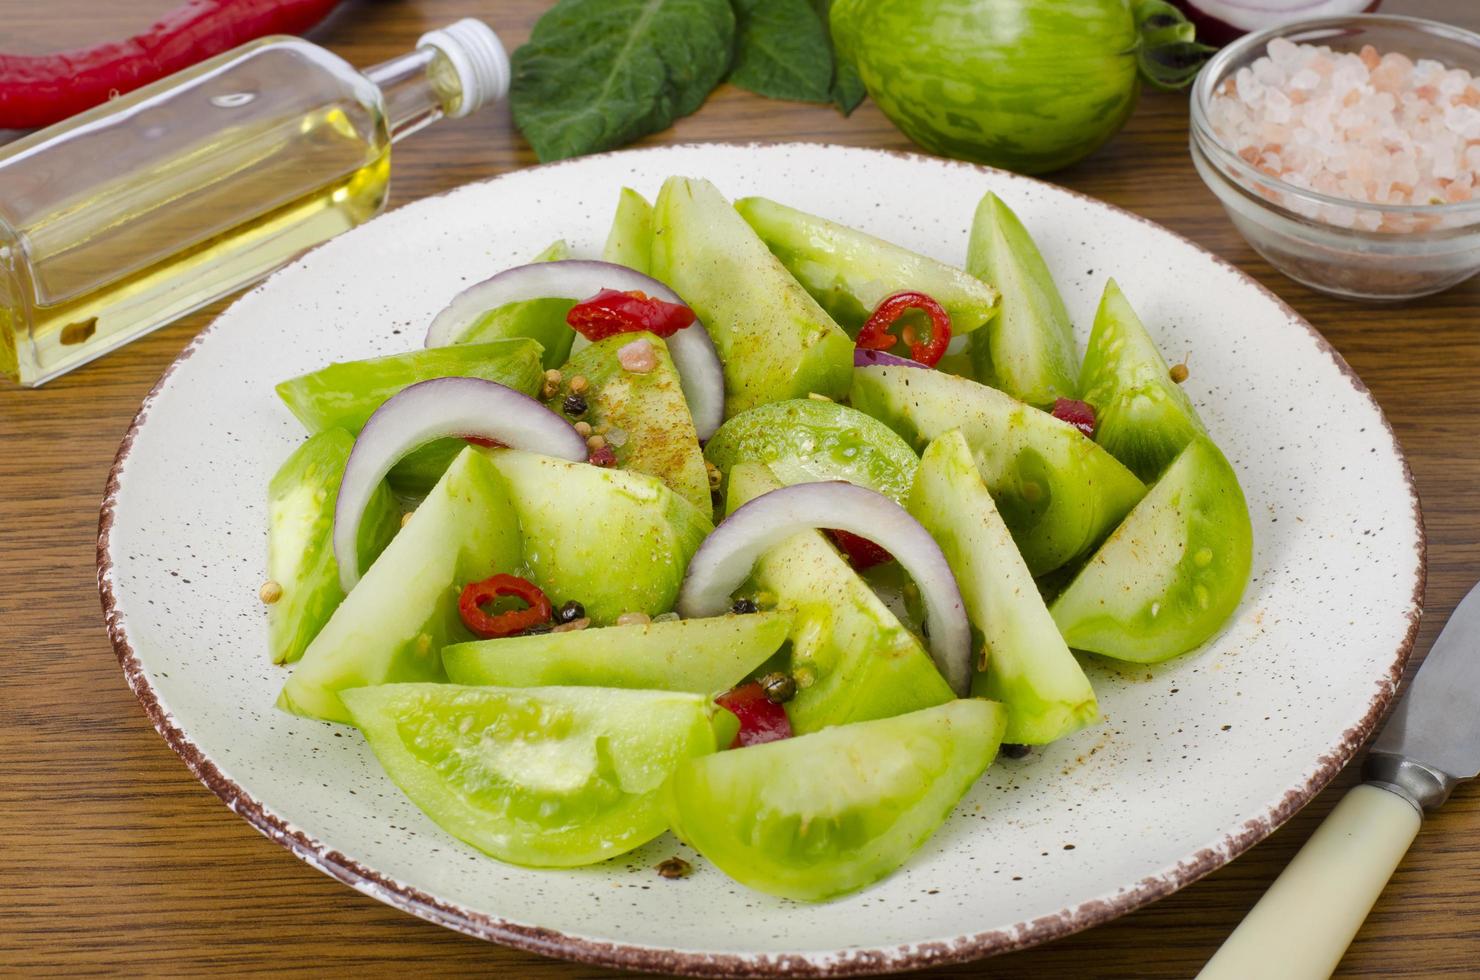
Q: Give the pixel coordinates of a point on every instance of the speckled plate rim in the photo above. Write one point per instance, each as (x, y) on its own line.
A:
(848, 962)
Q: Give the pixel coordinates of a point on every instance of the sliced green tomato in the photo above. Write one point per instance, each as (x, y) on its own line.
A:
(542, 320)
(392, 625)
(850, 273)
(1028, 351)
(348, 393)
(549, 777)
(1058, 491)
(630, 241)
(852, 658)
(613, 540)
(774, 340)
(804, 440)
(300, 540)
(1028, 666)
(651, 430)
(1142, 416)
(822, 815)
(705, 656)
(1170, 576)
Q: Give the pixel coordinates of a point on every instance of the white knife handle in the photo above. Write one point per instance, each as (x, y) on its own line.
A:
(1302, 926)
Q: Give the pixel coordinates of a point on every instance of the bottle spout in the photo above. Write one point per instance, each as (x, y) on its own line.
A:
(478, 58)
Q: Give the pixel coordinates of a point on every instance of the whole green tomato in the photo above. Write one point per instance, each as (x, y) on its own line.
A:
(1028, 85)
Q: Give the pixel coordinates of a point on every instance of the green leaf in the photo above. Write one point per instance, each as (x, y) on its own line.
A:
(782, 50)
(847, 88)
(596, 74)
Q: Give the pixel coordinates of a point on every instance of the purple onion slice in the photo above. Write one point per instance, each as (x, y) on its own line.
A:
(699, 370)
(437, 409)
(863, 357)
(725, 559)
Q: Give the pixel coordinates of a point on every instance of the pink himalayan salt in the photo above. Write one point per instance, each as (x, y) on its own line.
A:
(637, 357)
(1373, 128)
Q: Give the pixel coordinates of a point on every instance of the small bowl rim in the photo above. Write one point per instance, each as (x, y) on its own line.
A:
(1210, 143)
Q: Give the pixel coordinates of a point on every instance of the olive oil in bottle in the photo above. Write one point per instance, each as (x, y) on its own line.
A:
(123, 218)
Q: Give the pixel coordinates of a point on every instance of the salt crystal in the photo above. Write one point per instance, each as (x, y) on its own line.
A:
(1365, 127)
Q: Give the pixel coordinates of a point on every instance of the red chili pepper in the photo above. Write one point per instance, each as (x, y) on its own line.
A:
(610, 312)
(861, 552)
(475, 594)
(875, 334)
(38, 90)
(1079, 414)
(603, 457)
(761, 719)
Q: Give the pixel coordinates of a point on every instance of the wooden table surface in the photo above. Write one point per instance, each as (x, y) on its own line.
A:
(113, 858)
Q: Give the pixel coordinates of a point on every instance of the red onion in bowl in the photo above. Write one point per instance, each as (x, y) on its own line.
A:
(437, 409)
(693, 353)
(726, 557)
(1221, 21)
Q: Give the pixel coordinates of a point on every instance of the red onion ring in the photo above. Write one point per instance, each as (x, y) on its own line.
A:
(726, 558)
(699, 370)
(437, 409)
(863, 357)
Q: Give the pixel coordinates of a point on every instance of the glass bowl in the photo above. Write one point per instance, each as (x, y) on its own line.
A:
(1325, 241)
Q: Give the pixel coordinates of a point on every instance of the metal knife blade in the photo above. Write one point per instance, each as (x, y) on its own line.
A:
(1436, 724)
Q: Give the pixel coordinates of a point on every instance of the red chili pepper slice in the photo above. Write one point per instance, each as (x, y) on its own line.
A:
(475, 594)
(761, 719)
(1079, 414)
(875, 334)
(40, 89)
(610, 312)
(861, 552)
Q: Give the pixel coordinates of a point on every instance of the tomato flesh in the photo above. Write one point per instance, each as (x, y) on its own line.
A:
(827, 813)
(611, 312)
(543, 777)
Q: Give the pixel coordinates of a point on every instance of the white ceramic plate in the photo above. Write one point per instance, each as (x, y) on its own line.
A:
(1196, 760)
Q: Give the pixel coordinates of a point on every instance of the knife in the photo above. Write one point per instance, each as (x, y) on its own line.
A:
(1302, 926)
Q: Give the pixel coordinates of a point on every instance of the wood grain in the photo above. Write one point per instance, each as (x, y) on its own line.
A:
(114, 859)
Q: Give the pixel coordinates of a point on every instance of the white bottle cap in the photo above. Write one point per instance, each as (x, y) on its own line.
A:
(478, 57)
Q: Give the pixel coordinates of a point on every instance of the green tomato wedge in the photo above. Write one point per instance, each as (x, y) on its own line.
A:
(773, 338)
(300, 540)
(550, 777)
(392, 625)
(1026, 85)
(348, 393)
(853, 660)
(541, 320)
(804, 440)
(651, 430)
(850, 273)
(1028, 666)
(1142, 416)
(630, 241)
(1028, 351)
(613, 540)
(704, 656)
(1058, 492)
(1170, 576)
(821, 815)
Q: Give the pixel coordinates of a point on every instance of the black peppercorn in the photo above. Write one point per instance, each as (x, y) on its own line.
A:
(574, 405)
(779, 688)
(570, 612)
(744, 606)
(1012, 750)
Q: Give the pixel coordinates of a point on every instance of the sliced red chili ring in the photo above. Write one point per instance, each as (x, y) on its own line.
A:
(611, 312)
(469, 606)
(875, 334)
